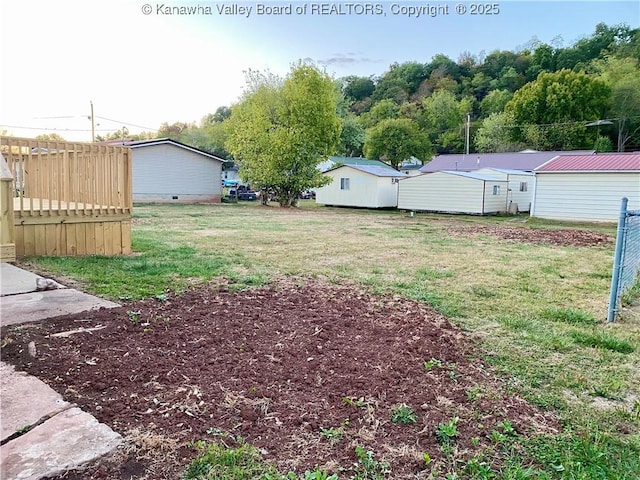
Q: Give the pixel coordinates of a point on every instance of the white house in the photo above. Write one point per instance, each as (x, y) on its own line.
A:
(587, 187)
(453, 192)
(165, 170)
(367, 186)
(520, 187)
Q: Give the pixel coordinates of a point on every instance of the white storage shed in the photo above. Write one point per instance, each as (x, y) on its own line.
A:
(367, 186)
(587, 187)
(453, 192)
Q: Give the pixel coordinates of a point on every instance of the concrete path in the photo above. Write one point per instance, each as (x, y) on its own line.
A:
(41, 434)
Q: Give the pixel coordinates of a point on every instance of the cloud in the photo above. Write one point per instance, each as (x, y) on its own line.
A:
(346, 59)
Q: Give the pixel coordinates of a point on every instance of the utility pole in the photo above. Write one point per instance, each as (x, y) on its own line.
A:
(93, 125)
(467, 135)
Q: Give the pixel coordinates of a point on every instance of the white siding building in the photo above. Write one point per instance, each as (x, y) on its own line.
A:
(587, 188)
(168, 171)
(453, 192)
(520, 187)
(366, 186)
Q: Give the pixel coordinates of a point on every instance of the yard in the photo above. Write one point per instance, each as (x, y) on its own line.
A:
(366, 344)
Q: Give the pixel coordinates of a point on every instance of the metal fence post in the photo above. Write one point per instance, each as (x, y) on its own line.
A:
(615, 278)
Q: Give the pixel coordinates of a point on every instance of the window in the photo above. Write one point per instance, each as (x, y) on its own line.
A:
(496, 189)
(523, 186)
(344, 184)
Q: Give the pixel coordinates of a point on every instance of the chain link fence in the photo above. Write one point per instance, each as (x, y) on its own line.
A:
(626, 262)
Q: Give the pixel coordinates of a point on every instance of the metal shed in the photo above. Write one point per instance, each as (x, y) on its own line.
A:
(587, 187)
(453, 192)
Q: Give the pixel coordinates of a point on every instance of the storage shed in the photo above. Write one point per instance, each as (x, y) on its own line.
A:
(587, 187)
(520, 187)
(453, 192)
(526, 160)
(367, 186)
(165, 170)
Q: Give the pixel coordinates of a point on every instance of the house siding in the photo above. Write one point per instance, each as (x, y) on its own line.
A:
(584, 196)
(450, 193)
(162, 172)
(521, 199)
(365, 190)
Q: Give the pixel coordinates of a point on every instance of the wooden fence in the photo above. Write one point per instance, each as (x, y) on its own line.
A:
(69, 198)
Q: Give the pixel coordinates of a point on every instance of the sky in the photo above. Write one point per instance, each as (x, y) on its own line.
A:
(141, 65)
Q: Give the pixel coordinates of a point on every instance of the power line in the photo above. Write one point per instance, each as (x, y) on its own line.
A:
(59, 129)
(126, 123)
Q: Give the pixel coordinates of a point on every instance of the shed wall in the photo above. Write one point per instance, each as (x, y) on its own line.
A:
(585, 196)
(365, 190)
(442, 192)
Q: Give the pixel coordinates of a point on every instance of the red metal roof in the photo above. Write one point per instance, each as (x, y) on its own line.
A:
(598, 162)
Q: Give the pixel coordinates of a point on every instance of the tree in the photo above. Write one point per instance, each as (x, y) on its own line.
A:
(281, 131)
(623, 77)
(352, 137)
(357, 88)
(395, 140)
(382, 110)
(444, 119)
(50, 137)
(495, 102)
(495, 134)
(400, 82)
(553, 110)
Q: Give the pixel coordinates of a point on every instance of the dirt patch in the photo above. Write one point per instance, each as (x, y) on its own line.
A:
(559, 237)
(280, 366)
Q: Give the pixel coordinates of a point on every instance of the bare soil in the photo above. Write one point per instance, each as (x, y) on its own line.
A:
(563, 237)
(275, 365)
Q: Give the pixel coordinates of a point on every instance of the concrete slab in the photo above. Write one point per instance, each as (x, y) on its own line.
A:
(66, 441)
(32, 307)
(25, 401)
(15, 280)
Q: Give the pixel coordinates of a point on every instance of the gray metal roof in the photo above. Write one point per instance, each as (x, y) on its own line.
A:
(475, 176)
(525, 160)
(378, 171)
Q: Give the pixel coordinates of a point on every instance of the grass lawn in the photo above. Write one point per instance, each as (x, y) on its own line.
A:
(536, 310)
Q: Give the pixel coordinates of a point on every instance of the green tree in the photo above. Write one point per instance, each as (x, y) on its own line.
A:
(400, 82)
(357, 88)
(494, 135)
(495, 102)
(50, 137)
(553, 109)
(444, 118)
(281, 130)
(395, 140)
(382, 110)
(623, 77)
(352, 137)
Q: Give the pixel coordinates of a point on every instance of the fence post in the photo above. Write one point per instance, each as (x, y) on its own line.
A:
(7, 229)
(617, 258)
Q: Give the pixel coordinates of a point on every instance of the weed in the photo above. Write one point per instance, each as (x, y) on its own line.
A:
(368, 468)
(134, 317)
(447, 432)
(162, 297)
(359, 402)
(403, 414)
(222, 463)
(24, 429)
(434, 362)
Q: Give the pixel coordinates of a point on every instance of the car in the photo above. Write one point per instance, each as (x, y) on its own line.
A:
(247, 195)
(307, 195)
